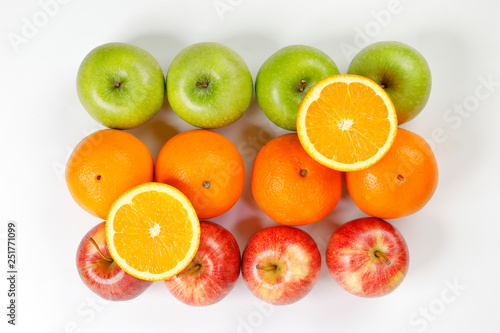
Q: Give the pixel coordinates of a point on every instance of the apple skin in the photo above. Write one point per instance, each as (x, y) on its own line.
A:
(281, 264)
(209, 85)
(120, 85)
(219, 259)
(278, 83)
(401, 70)
(352, 260)
(104, 277)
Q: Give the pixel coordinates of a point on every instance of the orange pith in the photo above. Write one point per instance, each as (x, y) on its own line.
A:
(346, 122)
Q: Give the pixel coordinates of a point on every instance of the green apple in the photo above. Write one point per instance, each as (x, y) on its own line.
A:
(401, 70)
(209, 85)
(120, 85)
(286, 77)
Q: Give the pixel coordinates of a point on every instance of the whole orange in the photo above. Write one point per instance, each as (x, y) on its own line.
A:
(290, 186)
(401, 183)
(103, 166)
(206, 167)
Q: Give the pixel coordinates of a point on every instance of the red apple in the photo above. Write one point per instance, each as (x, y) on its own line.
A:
(368, 257)
(100, 273)
(212, 273)
(281, 264)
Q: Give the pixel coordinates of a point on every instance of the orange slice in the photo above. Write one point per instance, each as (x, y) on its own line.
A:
(347, 122)
(152, 231)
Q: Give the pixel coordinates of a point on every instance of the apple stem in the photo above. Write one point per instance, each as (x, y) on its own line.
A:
(301, 86)
(383, 256)
(117, 84)
(189, 271)
(267, 268)
(201, 84)
(99, 250)
(382, 86)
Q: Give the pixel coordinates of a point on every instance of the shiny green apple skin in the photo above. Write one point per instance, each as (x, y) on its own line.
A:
(278, 85)
(120, 85)
(209, 85)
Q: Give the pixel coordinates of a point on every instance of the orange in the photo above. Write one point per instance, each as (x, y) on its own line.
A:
(152, 231)
(346, 122)
(401, 183)
(103, 166)
(290, 186)
(206, 167)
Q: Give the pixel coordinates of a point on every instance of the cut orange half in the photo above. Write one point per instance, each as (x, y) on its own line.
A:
(347, 122)
(152, 231)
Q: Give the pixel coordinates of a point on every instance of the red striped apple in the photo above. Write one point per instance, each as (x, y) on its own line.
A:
(368, 257)
(213, 272)
(100, 272)
(281, 264)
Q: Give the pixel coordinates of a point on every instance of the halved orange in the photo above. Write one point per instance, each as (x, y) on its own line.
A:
(152, 231)
(347, 122)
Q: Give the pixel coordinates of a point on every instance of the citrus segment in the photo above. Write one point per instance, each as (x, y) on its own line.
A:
(152, 231)
(346, 122)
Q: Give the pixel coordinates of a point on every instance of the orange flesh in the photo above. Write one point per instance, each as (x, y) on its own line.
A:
(348, 123)
(158, 222)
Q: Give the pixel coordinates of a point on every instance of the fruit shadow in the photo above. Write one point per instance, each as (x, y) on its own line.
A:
(243, 229)
(249, 141)
(234, 130)
(345, 194)
(158, 130)
(322, 230)
(245, 45)
(164, 125)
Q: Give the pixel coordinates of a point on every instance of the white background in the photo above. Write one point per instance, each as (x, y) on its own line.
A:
(453, 240)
